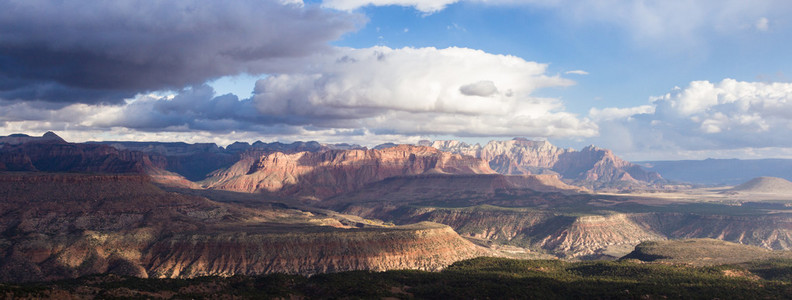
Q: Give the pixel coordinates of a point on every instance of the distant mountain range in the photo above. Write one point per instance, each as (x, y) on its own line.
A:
(185, 210)
(591, 167)
(720, 171)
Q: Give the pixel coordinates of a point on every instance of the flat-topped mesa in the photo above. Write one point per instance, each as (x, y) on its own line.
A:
(591, 167)
(327, 173)
(69, 157)
(57, 226)
(52, 154)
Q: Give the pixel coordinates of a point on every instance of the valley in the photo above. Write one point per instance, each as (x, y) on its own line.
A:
(156, 210)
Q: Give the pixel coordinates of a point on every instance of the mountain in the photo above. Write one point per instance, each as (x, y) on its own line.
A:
(771, 185)
(197, 161)
(591, 167)
(571, 227)
(318, 175)
(57, 225)
(50, 153)
(720, 171)
(192, 161)
(16, 139)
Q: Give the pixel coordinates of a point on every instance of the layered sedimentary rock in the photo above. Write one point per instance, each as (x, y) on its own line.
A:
(67, 225)
(424, 246)
(196, 161)
(585, 235)
(318, 175)
(591, 167)
(68, 157)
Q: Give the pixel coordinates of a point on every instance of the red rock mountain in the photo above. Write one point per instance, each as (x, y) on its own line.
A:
(591, 167)
(318, 175)
(56, 155)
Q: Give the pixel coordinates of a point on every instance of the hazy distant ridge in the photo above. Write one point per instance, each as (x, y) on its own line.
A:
(720, 171)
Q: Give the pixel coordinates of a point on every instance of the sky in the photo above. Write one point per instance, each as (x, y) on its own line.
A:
(651, 80)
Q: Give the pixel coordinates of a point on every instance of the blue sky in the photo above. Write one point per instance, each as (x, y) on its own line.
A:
(648, 79)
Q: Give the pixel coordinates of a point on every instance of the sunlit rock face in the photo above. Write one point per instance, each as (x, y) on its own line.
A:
(591, 167)
(55, 226)
(322, 174)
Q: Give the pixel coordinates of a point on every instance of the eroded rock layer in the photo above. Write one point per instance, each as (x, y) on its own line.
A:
(318, 175)
(579, 235)
(590, 167)
(67, 225)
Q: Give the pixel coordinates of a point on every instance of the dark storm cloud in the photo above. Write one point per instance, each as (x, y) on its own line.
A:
(103, 51)
(193, 108)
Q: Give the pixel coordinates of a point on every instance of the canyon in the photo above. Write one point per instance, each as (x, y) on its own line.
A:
(177, 210)
(55, 226)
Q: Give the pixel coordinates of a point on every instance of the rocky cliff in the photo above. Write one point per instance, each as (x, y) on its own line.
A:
(318, 175)
(67, 225)
(590, 167)
(425, 246)
(68, 157)
(586, 232)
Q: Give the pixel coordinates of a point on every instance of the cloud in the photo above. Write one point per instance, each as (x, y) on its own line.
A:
(413, 91)
(762, 24)
(484, 88)
(372, 94)
(652, 23)
(426, 6)
(614, 113)
(74, 51)
(704, 116)
(577, 72)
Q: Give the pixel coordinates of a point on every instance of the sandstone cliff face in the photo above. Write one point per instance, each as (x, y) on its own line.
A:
(51, 154)
(565, 236)
(55, 226)
(591, 167)
(322, 174)
(426, 246)
(588, 235)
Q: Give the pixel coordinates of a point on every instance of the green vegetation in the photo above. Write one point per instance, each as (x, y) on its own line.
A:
(703, 252)
(480, 278)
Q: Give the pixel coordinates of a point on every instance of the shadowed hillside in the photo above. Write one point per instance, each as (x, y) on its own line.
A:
(702, 252)
(68, 225)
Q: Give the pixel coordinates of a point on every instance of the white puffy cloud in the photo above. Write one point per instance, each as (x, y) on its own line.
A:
(615, 113)
(453, 91)
(704, 116)
(356, 95)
